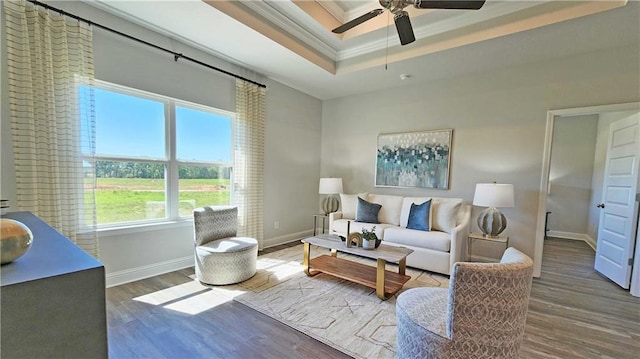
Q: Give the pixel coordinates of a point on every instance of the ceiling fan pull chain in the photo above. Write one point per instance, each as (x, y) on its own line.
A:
(386, 51)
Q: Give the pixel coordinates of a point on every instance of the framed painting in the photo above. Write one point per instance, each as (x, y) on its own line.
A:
(414, 159)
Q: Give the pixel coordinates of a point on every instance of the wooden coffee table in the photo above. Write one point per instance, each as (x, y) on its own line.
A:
(386, 283)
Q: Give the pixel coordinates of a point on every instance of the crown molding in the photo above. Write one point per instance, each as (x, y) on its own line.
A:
(360, 10)
(272, 14)
(333, 9)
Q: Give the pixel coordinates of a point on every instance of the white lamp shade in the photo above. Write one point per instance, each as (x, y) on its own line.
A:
(493, 195)
(330, 186)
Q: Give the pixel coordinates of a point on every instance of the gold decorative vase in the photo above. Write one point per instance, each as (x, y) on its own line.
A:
(15, 240)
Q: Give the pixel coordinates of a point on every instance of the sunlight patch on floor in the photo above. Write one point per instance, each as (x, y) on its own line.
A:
(286, 270)
(193, 297)
(205, 301)
(167, 295)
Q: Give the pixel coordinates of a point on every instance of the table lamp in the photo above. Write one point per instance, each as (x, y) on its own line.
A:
(491, 221)
(330, 187)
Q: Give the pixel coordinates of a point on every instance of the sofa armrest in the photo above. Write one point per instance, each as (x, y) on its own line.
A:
(459, 236)
(332, 217)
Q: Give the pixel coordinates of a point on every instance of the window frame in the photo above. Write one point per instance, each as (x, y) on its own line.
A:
(170, 161)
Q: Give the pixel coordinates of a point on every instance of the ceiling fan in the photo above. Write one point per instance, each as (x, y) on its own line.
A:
(401, 17)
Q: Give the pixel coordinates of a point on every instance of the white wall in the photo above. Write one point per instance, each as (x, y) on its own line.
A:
(571, 172)
(292, 140)
(498, 119)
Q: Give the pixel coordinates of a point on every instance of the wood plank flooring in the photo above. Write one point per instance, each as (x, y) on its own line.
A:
(573, 313)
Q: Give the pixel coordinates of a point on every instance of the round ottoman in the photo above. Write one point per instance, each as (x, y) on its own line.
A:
(226, 261)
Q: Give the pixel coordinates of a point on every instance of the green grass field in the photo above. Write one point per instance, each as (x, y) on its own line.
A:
(131, 199)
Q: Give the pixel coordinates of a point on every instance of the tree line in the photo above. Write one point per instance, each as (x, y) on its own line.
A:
(117, 169)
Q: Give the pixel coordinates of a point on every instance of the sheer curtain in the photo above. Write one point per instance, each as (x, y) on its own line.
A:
(50, 63)
(249, 160)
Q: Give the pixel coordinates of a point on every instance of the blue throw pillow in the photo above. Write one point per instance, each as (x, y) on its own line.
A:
(419, 216)
(367, 212)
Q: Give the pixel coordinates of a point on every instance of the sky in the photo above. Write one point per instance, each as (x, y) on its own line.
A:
(133, 126)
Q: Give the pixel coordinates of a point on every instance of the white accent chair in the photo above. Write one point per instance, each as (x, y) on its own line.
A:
(481, 315)
(220, 256)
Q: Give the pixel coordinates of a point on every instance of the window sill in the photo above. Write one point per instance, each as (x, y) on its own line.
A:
(144, 227)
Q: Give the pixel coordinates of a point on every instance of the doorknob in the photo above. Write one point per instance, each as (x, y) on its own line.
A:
(601, 205)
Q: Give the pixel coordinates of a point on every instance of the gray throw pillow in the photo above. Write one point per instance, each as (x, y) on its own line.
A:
(367, 212)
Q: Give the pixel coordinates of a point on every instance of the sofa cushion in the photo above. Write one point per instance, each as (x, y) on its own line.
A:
(419, 216)
(435, 240)
(391, 207)
(445, 213)
(340, 227)
(367, 212)
(349, 203)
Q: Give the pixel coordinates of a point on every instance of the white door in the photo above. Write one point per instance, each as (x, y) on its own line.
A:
(616, 233)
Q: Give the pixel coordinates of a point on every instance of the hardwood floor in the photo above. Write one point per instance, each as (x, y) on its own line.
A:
(229, 330)
(573, 313)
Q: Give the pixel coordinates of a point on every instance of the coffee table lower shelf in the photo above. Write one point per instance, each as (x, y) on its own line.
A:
(360, 273)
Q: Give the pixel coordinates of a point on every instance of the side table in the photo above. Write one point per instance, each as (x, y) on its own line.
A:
(315, 222)
(481, 237)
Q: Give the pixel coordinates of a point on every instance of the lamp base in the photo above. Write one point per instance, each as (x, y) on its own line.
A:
(329, 204)
(492, 222)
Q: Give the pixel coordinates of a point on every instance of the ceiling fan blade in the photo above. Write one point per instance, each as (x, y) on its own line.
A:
(403, 25)
(450, 4)
(357, 21)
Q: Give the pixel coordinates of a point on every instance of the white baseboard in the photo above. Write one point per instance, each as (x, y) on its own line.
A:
(590, 241)
(134, 274)
(138, 273)
(574, 236)
(272, 242)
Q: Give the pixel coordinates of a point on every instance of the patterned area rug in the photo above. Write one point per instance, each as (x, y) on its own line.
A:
(347, 316)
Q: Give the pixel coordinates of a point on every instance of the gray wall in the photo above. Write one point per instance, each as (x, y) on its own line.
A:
(292, 141)
(571, 172)
(292, 163)
(498, 119)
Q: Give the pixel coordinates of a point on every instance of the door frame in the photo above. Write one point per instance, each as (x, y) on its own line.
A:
(546, 164)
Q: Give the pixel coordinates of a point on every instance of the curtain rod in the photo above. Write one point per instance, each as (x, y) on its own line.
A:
(176, 55)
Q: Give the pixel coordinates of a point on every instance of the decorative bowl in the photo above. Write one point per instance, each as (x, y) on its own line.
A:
(15, 240)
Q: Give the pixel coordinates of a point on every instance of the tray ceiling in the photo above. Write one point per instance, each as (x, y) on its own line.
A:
(292, 42)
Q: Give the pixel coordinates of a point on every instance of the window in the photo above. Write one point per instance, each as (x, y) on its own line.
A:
(203, 154)
(157, 158)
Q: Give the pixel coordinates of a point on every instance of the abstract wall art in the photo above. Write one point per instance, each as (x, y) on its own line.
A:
(414, 159)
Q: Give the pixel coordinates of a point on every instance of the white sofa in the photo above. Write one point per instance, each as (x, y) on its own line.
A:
(435, 250)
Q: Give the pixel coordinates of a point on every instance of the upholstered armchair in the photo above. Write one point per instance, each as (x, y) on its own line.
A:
(481, 315)
(220, 256)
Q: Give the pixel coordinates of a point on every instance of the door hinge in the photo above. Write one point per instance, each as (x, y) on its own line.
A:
(630, 261)
(637, 197)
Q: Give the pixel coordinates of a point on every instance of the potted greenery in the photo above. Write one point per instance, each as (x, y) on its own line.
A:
(369, 238)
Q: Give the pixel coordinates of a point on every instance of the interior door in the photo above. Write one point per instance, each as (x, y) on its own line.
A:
(617, 230)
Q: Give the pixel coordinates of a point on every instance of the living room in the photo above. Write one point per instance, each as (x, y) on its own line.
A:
(498, 115)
